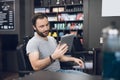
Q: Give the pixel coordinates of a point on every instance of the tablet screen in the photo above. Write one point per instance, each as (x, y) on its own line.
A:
(68, 39)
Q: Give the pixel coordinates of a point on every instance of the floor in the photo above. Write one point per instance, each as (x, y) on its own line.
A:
(8, 76)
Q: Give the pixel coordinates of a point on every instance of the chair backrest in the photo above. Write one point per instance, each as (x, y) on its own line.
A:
(77, 45)
(24, 66)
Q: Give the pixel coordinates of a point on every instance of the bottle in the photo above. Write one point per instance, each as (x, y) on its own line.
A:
(72, 1)
(63, 2)
(41, 3)
(49, 2)
(57, 2)
(111, 53)
(80, 2)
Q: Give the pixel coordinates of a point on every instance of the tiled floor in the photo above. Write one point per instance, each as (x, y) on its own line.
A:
(9, 76)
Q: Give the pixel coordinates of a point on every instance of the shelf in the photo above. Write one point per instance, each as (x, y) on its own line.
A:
(65, 18)
(66, 30)
(67, 21)
(64, 5)
(54, 3)
(52, 9)
(74, 4)
(69, 12)
(59, 6)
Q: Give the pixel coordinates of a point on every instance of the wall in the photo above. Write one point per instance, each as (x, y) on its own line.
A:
(29, 5)
(93, 24)
(0, 57)
(96, 23)
(10, 39)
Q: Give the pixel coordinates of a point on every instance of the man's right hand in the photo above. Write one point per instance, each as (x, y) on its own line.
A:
(60, 50)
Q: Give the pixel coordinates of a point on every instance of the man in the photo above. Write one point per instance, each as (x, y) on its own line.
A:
(43, 51)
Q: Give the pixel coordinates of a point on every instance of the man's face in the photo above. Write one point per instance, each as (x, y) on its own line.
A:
(42, 27)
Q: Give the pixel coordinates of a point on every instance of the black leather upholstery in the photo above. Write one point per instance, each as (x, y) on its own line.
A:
(24, 66)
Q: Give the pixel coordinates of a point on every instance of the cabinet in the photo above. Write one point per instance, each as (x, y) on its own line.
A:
(65, 16)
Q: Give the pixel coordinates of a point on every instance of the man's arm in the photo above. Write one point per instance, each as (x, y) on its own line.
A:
(38, 64)
(68, 58)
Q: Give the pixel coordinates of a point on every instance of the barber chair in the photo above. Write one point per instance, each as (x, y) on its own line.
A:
(88, 56)
(24, 66)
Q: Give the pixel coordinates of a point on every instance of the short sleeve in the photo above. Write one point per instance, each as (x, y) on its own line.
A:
(31, 47)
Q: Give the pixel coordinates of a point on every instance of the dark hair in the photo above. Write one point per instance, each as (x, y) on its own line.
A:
(38, 16)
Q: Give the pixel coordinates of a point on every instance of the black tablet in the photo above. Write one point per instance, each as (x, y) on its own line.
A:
(68, 39)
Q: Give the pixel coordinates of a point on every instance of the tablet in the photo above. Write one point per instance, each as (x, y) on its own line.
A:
(68, 39)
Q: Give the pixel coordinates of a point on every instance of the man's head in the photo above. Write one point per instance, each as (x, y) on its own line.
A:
(41, 24)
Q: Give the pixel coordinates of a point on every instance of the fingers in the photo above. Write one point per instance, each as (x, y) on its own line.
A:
(60, 50)
(62, 46)
(64, 50)
(80, 62)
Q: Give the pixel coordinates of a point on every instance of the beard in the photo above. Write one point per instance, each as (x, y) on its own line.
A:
(42, 33)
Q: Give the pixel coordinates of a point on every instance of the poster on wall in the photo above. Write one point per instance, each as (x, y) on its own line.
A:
(110, 8)
(7, 9)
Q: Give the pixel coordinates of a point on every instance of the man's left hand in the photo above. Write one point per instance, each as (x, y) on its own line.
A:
(79, 62)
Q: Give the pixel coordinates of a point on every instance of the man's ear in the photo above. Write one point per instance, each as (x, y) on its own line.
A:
(34, 28)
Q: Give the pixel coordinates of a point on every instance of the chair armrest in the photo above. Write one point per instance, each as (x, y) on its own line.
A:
(88, 65)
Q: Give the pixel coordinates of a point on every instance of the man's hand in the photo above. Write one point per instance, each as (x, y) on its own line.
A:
(59, 51)
(79, 62)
